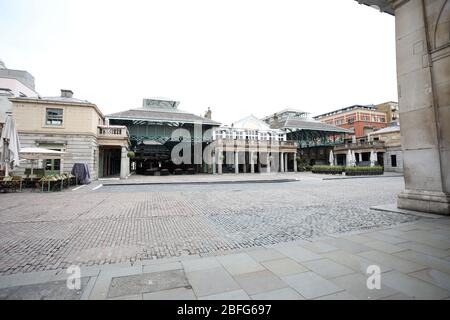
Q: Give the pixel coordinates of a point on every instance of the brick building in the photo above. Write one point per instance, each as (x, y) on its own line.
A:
(363, 119)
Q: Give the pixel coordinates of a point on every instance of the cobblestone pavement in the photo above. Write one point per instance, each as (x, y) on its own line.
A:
(123, 224)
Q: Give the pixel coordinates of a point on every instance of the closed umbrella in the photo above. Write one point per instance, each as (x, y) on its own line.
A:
(372, 158)
(9, 145)
(348, 160)
(331, 158)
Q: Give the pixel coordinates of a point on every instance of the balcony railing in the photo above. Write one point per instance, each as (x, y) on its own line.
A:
(360, 145)
(253, 143)
(113, 131)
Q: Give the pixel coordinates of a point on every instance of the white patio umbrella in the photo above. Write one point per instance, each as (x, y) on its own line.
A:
(331, 158)
(372, 158)
(348, 159)
(353, 158)
(9, 145)
(34, 153)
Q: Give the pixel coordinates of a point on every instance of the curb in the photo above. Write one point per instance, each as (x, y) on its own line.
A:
(199, 182)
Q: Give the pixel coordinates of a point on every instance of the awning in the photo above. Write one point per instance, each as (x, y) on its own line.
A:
(35, 153)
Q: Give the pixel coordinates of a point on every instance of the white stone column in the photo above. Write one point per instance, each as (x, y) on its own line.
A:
(268, 162)
(252, 162)
(245, 163)
(213, 159)
(360, 156)
(281, 162)
(236, 162)
(295, 162)
(286, 156)
(123, 163)
(219, 161)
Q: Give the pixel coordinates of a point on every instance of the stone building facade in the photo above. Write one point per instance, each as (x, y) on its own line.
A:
(70, 125)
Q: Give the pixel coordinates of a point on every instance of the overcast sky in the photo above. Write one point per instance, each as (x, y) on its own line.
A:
(238, 57)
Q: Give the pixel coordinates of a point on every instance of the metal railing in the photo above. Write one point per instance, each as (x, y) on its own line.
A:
(112, 131)
(360, 145)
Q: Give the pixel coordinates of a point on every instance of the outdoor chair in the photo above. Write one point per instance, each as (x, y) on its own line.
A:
(190, 171)
(5, 183)
(178, 171)
(164, 172)
(48, 183)
(16, 183)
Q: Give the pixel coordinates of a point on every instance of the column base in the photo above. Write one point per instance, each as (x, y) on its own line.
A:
(424, 201)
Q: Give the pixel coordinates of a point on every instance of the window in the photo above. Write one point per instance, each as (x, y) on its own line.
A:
(54, 117)
(239, 135)
(252, 135)
(393, 160)
(263, 136)
(52, 166)
(382, 119)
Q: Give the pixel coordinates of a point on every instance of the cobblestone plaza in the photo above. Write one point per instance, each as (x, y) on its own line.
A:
(127, 223)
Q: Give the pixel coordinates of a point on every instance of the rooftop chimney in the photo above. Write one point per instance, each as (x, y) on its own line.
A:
(66, 93)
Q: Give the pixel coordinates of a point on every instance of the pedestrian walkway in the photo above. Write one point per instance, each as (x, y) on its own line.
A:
(414, 260)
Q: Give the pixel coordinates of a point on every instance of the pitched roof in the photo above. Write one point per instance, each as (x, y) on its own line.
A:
(313, 125)
(54, 100)
(160, 115)
(251, 122)
(386, 130)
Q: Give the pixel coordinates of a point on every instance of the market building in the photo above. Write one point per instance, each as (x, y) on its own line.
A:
(314, 139)
(250, 145)
(158, 130)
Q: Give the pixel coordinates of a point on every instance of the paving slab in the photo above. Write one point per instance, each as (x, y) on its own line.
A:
(261, 255)
(427, 238)
(413, 287)
(425, 260)
(280, 294)
(358, 238)
(353, 261)
(55, 290)
(392, 261)
(131, 297)
(327, 268)
(239, 263)
(211, 281)
(162, 267)
(347, 245)
(343, 295)
(319, 247)
(88, 289)
(172, 294)
(147, 282)
(384, 246)
(21, 279)
(356, 285)
(398, 296)
(298, 253)
(435, 277)
(201, 264)
(385, 237)
(422, 248)
(284, 267)
(258, 282)
(230, 295)
(311, 285)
